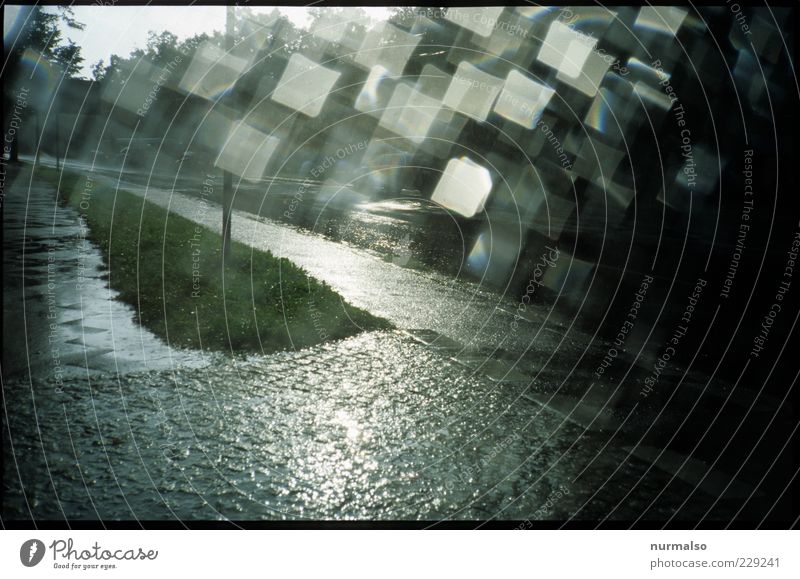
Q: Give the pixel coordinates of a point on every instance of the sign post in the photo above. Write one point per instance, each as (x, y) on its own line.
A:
(227, 178)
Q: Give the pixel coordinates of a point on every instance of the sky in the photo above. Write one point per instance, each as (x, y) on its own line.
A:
(120, 29)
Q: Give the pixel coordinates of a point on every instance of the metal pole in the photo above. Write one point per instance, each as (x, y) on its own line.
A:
(58, 148)
(37, 141)
(227, 178)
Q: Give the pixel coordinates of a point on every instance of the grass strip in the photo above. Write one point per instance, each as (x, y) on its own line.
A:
(171, 271)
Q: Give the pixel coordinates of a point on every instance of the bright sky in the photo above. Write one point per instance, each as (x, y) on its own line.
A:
(119, 29)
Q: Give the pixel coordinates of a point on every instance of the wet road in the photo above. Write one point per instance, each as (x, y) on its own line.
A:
(394, 225)
(433, 421)
(374, 427)
(384, 284)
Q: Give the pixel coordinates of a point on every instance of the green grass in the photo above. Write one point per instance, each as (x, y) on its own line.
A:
(257, 303)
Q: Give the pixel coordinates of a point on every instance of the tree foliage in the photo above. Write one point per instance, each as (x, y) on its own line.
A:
(43, 32)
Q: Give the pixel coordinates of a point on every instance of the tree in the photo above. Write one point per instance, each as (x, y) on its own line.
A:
(42, 33)
(68, 56)
(98, 71)
(160, 48)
